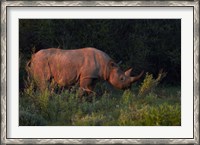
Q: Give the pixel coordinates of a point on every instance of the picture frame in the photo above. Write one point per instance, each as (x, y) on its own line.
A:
(5, 5)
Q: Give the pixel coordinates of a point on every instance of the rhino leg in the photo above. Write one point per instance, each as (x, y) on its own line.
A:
(87, 86)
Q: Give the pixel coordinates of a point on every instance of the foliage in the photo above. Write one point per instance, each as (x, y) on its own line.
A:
(160, 108)
(149, 83)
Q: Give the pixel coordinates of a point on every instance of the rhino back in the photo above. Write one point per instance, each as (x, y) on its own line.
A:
(68, 66)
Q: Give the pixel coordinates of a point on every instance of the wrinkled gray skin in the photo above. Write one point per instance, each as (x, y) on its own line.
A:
(83, 66)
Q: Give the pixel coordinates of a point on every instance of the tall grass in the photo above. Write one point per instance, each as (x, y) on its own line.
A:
(160, 107)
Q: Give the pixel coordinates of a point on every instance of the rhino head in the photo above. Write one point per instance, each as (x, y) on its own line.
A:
(120, 79)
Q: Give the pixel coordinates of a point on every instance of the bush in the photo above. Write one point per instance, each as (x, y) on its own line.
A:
(162, 115)
(150, 83)
(29, 119)
(124, 108)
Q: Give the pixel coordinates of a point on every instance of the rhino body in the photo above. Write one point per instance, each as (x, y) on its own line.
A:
(83, 66)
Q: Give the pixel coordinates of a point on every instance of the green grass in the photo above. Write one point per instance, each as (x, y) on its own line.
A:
(160, 107)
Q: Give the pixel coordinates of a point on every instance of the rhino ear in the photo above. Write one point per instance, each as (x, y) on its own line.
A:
(112, 64)
(128, 72)
(120, 62)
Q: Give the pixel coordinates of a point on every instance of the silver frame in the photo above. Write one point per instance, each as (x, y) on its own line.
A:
(5, 4)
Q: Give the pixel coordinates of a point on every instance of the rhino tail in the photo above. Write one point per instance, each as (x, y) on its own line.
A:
(28, 69)
(28, 65)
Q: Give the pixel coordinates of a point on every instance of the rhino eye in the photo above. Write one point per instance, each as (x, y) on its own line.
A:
(122, 78)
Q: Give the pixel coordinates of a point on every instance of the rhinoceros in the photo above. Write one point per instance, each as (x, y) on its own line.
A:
(82, 66)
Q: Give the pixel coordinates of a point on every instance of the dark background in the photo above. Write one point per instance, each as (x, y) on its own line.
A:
(144, 44)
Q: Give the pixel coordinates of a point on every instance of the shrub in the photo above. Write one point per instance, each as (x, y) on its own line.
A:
(30, 119)
(91, 120)
(162, 115)
(43, 100)
(111, 108)
(150, 83)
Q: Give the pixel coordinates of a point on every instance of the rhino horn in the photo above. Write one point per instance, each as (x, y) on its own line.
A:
(128, 72)
(135, 78)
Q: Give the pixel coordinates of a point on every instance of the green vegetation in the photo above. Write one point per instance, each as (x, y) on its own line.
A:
(158, 107)
(149, 83)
